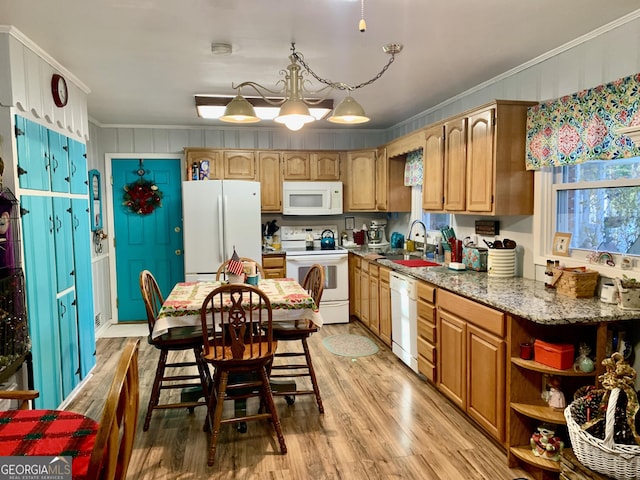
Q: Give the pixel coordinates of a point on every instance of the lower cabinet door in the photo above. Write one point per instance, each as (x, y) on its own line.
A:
(451, 351)
(40, 287)
(486, 388)
(69, 355)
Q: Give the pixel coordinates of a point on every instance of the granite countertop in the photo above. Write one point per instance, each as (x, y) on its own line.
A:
(518, 296)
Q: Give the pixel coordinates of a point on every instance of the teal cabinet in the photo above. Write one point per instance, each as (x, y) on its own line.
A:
(63, 243)
(33, 158)
(56, 237)
(40, 287)
(78, 167)
(58, 162)
(84, 285)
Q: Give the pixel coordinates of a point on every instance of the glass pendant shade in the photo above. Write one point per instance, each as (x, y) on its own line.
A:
(348, 111)
(239, 110)
(294, 114)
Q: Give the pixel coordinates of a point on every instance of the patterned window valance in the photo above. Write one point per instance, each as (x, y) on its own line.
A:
(413, 169)
(583, 126)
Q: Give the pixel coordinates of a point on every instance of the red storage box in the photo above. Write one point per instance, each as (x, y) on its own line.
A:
(556, 355)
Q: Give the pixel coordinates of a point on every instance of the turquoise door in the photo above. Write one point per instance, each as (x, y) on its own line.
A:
(153, 241)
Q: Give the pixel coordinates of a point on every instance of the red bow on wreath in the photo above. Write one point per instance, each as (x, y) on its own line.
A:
(142, 197)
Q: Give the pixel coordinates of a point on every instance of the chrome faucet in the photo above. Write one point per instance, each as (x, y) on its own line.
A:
(424, 228)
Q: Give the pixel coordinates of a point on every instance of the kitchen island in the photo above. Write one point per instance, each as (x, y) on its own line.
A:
(470, 328)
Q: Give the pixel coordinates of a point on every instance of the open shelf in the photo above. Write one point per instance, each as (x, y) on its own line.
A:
(541, 411)
(524, 453)
(538, 367)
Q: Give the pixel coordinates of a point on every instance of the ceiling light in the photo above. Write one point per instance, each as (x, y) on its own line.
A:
(215, 106)
(294, 101)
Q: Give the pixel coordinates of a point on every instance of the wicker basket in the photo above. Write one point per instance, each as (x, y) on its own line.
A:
(604, 456)
(577, 284)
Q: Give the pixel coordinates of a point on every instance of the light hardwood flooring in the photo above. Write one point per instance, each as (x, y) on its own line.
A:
(381, 421)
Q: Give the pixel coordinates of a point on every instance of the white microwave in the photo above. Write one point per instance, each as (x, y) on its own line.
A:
(312, 198)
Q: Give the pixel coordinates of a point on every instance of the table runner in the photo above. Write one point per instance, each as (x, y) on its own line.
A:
(49, 433)
(289, 301)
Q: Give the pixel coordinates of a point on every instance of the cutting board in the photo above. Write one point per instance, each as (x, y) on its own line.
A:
(417, 263)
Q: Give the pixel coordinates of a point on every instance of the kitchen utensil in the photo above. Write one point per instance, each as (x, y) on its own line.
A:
(328, 241)
(494, 244)
(506, 243)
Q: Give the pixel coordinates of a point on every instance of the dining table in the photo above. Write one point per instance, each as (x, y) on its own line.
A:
(289, 302)
(48, 433)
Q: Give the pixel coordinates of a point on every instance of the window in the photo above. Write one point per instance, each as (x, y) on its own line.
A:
(433, 221)
(598, 202)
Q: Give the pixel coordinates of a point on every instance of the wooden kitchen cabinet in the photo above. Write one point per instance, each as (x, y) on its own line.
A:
(471, 352)
(374, 288)
(197, 155)
(270, 181)
(355, 263)
(239, 164)
(427, 332)
(316, 166)
(274, 265)
(526, 410)
(482, 153)
(325, 166)
(384, 299)
(365, 293)
(376, 183)
(296, 166)
(433, 179)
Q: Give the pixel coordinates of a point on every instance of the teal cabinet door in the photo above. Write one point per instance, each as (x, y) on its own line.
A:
(63, 243)
(40, 287)
(78, 167)
(33, 157)
(69, 355)
(59, 162)
(84, 285)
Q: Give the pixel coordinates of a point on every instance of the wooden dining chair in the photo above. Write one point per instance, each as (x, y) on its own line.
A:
(222, 269)
(299, 331)
(113, 442)
(238, 342)
(175, 340)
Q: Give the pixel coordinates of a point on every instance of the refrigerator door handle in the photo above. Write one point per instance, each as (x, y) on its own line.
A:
(221, 229)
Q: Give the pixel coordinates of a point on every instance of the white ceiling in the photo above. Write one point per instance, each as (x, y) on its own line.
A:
(143, 60)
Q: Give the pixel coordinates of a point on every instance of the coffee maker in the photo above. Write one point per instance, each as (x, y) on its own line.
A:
(377, 235)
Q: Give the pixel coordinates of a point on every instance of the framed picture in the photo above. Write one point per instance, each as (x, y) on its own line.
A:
(349, 223)
(95, 205)
(561, 242)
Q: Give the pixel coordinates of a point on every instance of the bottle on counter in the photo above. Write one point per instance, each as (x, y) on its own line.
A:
(194, 171)
(548, 275)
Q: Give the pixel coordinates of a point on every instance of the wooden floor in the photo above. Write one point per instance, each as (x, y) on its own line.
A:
(381, 421)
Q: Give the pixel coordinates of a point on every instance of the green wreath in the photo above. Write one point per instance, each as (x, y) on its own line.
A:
(142, 197)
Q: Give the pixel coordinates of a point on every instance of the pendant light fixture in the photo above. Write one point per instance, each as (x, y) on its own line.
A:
(294, 99)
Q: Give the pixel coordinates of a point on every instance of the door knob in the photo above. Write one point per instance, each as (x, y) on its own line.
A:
(177, 229)
(178, 252)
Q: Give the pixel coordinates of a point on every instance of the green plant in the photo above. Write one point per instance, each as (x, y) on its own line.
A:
(629, 282)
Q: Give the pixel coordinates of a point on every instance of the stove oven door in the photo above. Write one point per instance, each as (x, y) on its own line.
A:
(334, 305)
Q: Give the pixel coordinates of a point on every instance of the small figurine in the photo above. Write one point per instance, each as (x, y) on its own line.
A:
(584, 363)
(545, 444)
(556, 397)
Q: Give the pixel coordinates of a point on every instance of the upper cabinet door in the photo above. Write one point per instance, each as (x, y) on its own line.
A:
(433, 178)
(270, 182)
(455, 165)
(239, 165)
(59, 162)
(78, 167)
(33, 156)
(360, 189)
(325, 166)
(296, 166)
(480, 162)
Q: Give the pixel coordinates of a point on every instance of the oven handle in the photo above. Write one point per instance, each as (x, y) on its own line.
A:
(321, 259)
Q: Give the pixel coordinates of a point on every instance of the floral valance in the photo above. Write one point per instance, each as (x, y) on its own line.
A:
(583, 126)
(413, 168)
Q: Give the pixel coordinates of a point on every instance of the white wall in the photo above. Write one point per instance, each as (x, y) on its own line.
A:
(601, 57)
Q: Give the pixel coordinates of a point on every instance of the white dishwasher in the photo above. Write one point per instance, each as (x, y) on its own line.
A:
(404, 318)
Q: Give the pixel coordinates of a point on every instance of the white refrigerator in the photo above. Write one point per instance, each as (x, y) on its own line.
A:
(218, 215)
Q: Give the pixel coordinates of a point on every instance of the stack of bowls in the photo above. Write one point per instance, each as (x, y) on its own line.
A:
(501, 262)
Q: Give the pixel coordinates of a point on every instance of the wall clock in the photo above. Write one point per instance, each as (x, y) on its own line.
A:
(59, 90)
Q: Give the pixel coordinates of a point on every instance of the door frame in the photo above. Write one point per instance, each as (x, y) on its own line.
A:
(108, 211)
